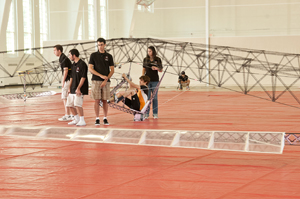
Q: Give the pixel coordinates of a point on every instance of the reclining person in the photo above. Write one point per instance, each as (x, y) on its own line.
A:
(183, 80)
(136, 96)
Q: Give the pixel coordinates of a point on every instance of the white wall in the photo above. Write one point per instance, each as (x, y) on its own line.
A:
(63, 16)
(254, 17)
(120, 15)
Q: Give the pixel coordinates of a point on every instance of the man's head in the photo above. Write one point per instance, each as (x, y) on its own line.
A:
(144, 80)
(101, 43)
(58, 49)
(73, 54)
(182, 73)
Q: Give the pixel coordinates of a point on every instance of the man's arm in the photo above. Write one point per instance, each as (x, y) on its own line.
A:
(94, 72)
(66, 70)
(112, 70)
(130, 82)
(78, 92)
(71, 80)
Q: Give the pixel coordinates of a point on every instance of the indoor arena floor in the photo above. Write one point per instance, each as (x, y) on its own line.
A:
(44, 168)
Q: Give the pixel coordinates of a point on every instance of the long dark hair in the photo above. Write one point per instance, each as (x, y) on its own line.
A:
(153, 52)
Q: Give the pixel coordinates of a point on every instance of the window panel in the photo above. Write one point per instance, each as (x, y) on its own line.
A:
(10, 31)
(103, 18)
(27, 22)
(43, 6)
(91, 19)
(80, 31)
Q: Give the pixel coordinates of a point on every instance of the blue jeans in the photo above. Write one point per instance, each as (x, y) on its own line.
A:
(152, 87)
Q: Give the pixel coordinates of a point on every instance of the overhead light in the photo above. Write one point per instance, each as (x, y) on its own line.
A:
(144, 2)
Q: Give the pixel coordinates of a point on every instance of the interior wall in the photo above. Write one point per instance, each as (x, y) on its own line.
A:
(63, 16)
(120, 14)
(254, 17)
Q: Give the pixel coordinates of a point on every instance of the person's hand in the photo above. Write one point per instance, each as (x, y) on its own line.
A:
(154, 68)
(103, 84)
(63, 84)
(69, 91)
(104, 77)
(78, 92)
(124, 75)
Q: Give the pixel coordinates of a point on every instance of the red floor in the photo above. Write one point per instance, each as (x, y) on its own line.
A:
(177, 110)
(31, 168)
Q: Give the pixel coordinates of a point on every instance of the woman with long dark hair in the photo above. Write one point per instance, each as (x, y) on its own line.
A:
(151, 66)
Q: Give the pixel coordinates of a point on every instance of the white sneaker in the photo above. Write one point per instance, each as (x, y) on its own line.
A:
(73, 122)
(81, 123)
(155, 116)
(65, 118)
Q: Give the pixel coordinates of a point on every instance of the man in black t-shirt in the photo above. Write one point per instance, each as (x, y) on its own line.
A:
(65, 65)
(101, 65)
(183, 80)
(78, 88)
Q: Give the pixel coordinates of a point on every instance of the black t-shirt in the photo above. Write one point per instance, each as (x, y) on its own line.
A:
(153, 74)
(65, 63)
(102, 63)
(185, 78)
(79, 70)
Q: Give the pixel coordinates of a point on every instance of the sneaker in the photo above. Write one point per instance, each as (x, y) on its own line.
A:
(65, 118)
(97, 122)
(187, 88)
(73, 122)
(155, 116)
(105, 122)
(81, 123)
(146, 116)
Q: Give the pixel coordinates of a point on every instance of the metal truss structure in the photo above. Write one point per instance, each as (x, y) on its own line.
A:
(257, 142)
(292, 138)
(236, 69)
(28, 95)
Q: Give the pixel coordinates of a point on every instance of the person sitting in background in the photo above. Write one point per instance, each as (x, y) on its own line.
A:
(183, 80)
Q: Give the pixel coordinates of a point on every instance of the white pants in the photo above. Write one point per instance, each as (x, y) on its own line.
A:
(74, 100)
(64, 90)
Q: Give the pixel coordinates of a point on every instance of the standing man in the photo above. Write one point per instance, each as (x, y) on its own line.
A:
(78, 88)
(101, 65)
(65, 65)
